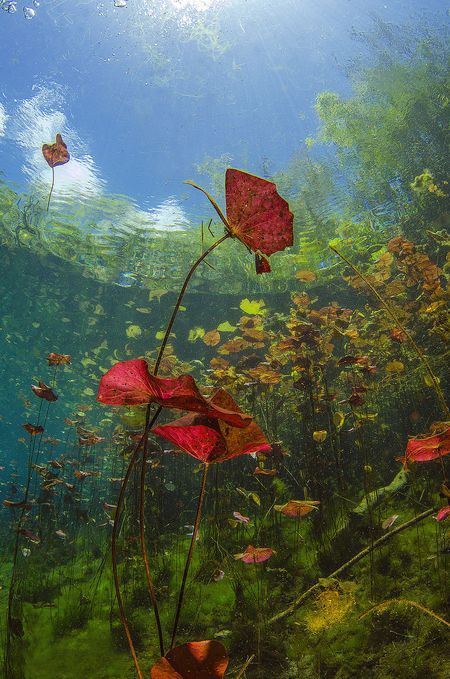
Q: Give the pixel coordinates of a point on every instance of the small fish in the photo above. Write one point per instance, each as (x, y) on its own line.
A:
(218, 575)
(60, 534)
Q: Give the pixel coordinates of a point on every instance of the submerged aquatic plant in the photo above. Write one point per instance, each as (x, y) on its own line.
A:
(264, 224)
(55, 154)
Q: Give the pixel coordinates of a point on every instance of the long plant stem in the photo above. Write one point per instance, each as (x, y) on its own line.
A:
(150, 584)
(189, 556)
(300, 600)
(244, 667)
(125, 481)
(115, 534)
(181, 295)
(397, 321)
(51, 188)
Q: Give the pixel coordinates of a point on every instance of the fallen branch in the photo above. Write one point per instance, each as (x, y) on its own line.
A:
(309, 592)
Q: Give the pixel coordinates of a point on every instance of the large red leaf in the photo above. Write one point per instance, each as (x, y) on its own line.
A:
(130, 383)
(212, 440)
(194, 660)
(256, 213)
(57, 153)
(427, 449)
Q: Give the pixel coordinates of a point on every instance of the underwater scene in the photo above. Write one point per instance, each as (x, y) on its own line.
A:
(224, 332)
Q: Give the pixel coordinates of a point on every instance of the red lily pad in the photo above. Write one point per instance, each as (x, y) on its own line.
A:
(256, 214)
(255, 554)
(57, 153)
(427, 448)
(130, 383)
(212, 440)
(194, 660)
(33, 429)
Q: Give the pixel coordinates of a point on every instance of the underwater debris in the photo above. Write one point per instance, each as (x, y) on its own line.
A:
(33, 429)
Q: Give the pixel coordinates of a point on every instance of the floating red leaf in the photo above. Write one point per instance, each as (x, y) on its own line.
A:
(255, 554)
(256, 214)
(130, 383)
(213, 440)
(194, 660)
(44, 391)
(57, 153)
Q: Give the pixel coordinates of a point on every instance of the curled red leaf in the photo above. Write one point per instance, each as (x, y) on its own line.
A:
(194, 660)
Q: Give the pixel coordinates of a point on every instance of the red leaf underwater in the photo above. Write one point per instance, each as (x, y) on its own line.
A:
(57, 153)
(58, 359)
(427, 448)
(256, 215)
(255, 554)
(33, 429)
(130, 383)
(443, 513)
(212, 440)
(43, 391)
(194, 660)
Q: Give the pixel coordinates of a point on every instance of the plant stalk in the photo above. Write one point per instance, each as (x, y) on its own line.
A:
(51, 188)
(189, 556)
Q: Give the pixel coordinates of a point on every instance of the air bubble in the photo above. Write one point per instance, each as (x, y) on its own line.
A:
(29, 12)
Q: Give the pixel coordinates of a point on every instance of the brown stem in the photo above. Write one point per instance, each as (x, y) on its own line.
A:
(367, 550)
(393, 315)
(115, 532)
(189, 556)
(150, 584)
(244, 667)
(51, 188)
(180, 298)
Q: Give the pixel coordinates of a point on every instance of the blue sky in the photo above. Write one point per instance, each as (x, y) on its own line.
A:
(143, 93)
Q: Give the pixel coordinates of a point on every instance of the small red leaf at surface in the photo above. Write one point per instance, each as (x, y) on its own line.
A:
(213, 440)
(443, 513)
(130, 383)
(296, 509)
(255, 554)
(257, 215)
(43, 391)
(194, 660)
(57, 153)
